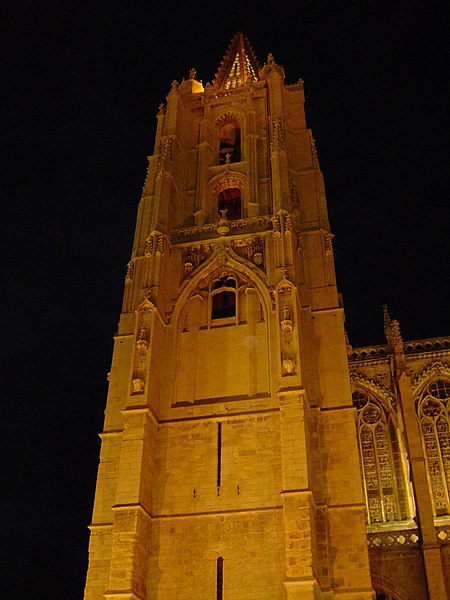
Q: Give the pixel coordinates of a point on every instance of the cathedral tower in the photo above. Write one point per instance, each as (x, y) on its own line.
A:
(229, 463)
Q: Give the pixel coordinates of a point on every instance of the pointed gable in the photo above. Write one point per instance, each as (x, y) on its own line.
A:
(239, 65)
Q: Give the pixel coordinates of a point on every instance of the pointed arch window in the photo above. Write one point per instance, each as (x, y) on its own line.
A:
(382, 469)
(434, 417)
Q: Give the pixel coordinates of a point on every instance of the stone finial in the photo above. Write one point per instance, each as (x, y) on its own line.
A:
(387, 327)
(348, 346)
(394, 340)
(396, 334)
(192, 74)
(397, 343)
(271, 69)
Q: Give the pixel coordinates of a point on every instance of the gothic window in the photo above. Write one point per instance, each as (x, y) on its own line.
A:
(381, 463)
(230, 200)
(229, 143)
(223, 298)
(434, 417)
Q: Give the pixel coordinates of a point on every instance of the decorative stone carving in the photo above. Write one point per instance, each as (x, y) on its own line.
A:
(328, 246)
(138, 385)
(148, 246)
(383, 539)
(284, 288)
(198, 232)
(195, 256)
(288, 366)
(251, 249)
(142, 342)
(146, 305)
(154, 244)
(272, 297)
(130, 272)
(222, 226)
(286, 323)
(277, 132)
(288, 224)
(169, 313)
(258, 258)
(222, 255)
(295, 201)
(188, 268)
(381, 376)
(314, 151)
(167, 151)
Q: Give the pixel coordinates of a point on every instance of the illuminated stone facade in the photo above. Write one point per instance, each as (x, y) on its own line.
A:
(402, 395)
(230, 465)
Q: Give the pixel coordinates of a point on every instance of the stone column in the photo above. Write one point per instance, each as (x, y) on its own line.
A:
(298, 501)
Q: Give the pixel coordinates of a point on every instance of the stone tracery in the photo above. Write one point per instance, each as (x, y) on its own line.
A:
(380, 461)
(433, 413)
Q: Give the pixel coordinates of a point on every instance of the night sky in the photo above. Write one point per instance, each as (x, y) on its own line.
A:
(81, 89)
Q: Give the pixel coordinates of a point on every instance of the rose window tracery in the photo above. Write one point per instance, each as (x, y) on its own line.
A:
(433, 413)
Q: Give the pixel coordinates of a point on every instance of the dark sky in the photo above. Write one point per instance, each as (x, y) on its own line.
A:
(82, 85)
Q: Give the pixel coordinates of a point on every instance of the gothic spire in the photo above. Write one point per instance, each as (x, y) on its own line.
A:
(239, 65)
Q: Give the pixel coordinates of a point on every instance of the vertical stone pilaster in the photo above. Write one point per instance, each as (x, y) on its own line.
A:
(100, 547)
(131, 512)
(298, 502)
(131, 532)
(294, 455)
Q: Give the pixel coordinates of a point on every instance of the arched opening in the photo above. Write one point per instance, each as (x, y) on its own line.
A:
(230, 200)
(223, 298)
(229, 143)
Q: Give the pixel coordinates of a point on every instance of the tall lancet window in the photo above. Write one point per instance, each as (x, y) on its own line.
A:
(219, 579)
(434, 416)
(381, 461)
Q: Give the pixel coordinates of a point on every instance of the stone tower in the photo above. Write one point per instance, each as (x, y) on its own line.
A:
(229, 463)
